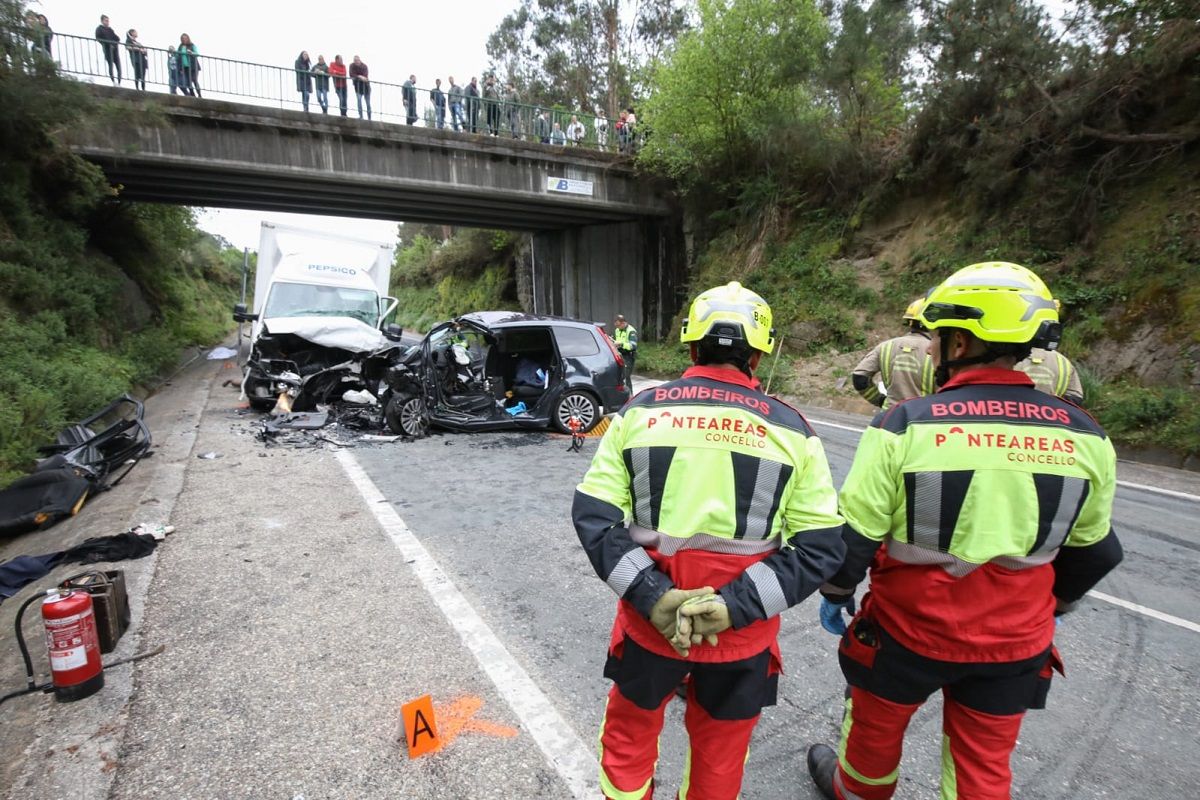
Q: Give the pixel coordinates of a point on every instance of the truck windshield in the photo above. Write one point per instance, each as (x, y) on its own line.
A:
(308, 300)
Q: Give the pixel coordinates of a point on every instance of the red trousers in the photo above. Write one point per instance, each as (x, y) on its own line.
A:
(984, 704)
(976, 747)
(723, 705)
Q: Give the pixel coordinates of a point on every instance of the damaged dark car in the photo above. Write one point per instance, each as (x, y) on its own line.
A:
(503, 370)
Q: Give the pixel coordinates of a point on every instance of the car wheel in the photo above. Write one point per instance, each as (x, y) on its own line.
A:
(580, 403)
(406, 415)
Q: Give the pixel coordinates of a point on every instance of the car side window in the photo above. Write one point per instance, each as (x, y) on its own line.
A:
(576, 342)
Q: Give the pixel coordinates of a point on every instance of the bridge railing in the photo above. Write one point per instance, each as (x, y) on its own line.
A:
(267, 85)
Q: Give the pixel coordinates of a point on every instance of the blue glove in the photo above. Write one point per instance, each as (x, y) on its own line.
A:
(831, 614)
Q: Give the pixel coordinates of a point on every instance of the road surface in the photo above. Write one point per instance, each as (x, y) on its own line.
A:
(308, 594)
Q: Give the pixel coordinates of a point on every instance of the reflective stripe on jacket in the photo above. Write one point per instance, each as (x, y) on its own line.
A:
(626, 338)
(904, 365)
(974, 492)
(1053, 373)
(707, 481)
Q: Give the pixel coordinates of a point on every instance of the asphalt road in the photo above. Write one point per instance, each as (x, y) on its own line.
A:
(308, 594)
(493, 511)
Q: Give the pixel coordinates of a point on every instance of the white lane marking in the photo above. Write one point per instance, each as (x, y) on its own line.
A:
(1195, 498)
(1149, 612)
(850, 428)
(560, 744)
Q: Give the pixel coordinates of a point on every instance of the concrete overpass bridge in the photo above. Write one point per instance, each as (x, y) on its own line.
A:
(603, 239)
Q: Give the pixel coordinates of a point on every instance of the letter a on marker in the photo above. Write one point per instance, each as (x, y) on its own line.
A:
(420, 731)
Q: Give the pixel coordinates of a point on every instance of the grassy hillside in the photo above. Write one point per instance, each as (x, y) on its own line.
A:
(1130, 292)
(434, 281)
(97, 296)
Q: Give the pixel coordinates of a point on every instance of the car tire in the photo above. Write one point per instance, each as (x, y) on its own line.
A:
(406, 415)
(580, 401)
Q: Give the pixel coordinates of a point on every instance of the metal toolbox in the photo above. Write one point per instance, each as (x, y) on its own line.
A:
(110, 603)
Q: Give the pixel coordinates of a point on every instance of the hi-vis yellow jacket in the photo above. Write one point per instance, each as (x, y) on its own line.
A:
(708, 481)
(902, 363)
(978, 510)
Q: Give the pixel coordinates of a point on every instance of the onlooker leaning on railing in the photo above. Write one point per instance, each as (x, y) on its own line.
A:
(304, 79)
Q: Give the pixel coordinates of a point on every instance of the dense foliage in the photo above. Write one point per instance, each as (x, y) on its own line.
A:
(583, 54)
(436, 279)
(96, 296)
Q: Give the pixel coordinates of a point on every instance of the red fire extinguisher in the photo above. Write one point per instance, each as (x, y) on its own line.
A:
(73, 645)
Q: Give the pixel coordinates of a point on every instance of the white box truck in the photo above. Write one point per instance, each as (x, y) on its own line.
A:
(318, 317)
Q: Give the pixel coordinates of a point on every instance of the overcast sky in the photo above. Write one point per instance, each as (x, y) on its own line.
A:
(428, 39)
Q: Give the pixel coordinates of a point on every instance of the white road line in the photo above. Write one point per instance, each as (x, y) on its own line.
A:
(1149, 612)
(850, 428)
(560, 744)
(1195, 498)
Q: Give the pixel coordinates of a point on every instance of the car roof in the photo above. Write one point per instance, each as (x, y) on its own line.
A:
(513, 319)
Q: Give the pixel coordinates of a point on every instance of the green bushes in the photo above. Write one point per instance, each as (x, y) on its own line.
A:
(95, 296)
(472, 271)
(1150, 416)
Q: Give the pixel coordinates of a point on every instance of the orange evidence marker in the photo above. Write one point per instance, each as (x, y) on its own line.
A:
(420, 728)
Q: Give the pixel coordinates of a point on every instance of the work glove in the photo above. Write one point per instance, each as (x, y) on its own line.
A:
(831, 614)
(663, 616)
(702, 618)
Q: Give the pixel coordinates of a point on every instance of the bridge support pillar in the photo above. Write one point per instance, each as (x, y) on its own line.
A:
(595, 272)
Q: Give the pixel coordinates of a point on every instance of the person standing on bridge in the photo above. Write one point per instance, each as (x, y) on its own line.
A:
(320, 72)
(491, 104)
(982, 513)
(189, 66)
(903, 363)
(438, 98)
(338, 71)
(139, 58)
(408, 93)
(304, 80)
(172, 69)
(512, 104)
(702, 484)
(626, 338)
(362, 85)
(601, 128)
(541, 127)
(575, 131)
(473, 105)
(110, 44)
(457, 115)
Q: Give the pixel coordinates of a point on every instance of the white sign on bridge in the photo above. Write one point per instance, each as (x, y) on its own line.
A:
(568, 186)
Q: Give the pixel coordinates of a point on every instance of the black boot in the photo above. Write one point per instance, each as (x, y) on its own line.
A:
(822, 764)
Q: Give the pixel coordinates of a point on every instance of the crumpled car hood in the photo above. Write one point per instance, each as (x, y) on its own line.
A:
(344, 333)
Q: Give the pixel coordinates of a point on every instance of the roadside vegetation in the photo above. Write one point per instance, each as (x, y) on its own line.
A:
(97, 296)
(436, 279)
(847, 156)
(842, 157)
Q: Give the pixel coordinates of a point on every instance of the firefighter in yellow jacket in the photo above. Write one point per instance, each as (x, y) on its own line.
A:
(902, 363)
(1053, 373)
(981, 513)
(703, 488)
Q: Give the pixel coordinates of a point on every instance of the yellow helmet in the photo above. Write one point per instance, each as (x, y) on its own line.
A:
(997, 302)
(730, 314)
(913, 312)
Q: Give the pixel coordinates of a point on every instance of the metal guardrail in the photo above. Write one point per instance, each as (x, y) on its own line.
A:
(263, 84)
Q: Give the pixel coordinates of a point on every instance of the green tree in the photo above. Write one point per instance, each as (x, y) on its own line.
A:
(583, 54)
(736, 92)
